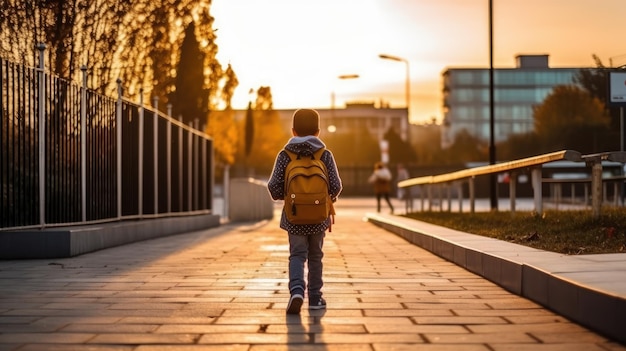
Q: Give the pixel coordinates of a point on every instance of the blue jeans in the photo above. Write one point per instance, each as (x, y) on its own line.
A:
(303, 248)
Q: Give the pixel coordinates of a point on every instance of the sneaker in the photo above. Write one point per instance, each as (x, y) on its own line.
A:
(317, 303)
(295, 302)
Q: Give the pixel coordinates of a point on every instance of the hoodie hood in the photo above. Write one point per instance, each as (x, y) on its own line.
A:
(305, 145)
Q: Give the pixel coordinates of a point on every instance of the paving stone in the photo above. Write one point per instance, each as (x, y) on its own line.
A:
(143, 338)
(226, 289)
(428, 347)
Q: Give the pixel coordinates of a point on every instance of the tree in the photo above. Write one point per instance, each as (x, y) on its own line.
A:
(426, 142)
(230, 84)
(466, 148)
(269, 133)
(223, 130)
(264, 99)
(190, 99)
(595, 81)
(266, 137)
(399, 150)
(75, 32)
(137, 41)
(249, 130)
(519, 146)
(570, 118)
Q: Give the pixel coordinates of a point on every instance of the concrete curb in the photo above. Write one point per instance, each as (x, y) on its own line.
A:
(74, 241)
(587, 289)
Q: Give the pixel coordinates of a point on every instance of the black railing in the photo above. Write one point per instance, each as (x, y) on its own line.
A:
(71, 156)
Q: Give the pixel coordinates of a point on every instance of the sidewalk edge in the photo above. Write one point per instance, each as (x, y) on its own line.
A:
(597, 309)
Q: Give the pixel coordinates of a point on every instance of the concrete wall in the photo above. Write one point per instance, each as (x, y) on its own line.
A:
(73, 241)
(249, 200)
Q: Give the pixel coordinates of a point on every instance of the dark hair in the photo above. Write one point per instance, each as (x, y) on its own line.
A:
(306, 122)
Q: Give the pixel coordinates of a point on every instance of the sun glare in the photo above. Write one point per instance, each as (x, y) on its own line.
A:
(299, 48)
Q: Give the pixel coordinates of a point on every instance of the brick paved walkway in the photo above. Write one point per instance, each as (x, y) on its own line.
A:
(225, 289)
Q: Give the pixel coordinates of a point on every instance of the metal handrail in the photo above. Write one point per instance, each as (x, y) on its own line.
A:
(455, 178)
(567, 155)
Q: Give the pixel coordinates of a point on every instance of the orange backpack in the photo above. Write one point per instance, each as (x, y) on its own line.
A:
(307, 200)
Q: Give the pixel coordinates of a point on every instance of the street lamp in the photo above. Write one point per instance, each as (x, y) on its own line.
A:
(407, 82)
(493, 196)
(332, 127)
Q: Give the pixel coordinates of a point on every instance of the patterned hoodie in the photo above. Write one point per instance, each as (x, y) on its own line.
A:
(306, 145)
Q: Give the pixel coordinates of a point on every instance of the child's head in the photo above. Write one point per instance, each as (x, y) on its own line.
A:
(306, 122)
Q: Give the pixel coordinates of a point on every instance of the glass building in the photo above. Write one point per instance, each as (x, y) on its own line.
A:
(516, 92)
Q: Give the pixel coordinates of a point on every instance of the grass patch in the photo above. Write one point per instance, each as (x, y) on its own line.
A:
(567, 232)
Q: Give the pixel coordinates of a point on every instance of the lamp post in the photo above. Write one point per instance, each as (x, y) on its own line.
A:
(621, 124)
(407, 82)
(332, 127)
(493, 197)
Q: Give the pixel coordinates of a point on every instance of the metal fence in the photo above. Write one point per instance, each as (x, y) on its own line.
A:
(70, 156)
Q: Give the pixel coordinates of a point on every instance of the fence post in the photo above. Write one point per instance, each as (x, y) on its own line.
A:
(512, 190)
(42, 135)
(596, 188)
(196, 162)
(168, 158)
(225, 192)
(207, 194)
(155, 146)
(118, 125)
(140, 157)
(449, 190)
(472, 194)
(190, 169)
(430, 197)
(537, 194)
(459, 189)
(180, 164)
(83, 144)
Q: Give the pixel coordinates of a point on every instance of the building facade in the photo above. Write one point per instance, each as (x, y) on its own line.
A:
(466, 98)
(377, 120)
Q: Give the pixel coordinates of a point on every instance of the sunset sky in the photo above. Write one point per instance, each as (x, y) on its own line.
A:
(299, 48)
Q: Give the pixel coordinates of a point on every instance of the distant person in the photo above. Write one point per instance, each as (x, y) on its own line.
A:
(381, 179)
(305, 240)
(403, 174)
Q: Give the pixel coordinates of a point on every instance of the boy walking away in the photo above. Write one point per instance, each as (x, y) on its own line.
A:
(306, 237)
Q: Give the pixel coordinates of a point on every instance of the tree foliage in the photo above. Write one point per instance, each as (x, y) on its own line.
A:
(268, 137)
(223, 130)
(190, 99)
(466, 148)
(425, 140)
(519, 146)
(75, 32)
(248, 130)
(400, 151)
(595, 81)
(570, 118)
(138, 41)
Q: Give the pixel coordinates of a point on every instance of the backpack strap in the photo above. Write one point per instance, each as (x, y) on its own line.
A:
(317, 155)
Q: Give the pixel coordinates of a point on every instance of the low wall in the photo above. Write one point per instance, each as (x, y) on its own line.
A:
(249, 200)
(74, 241)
